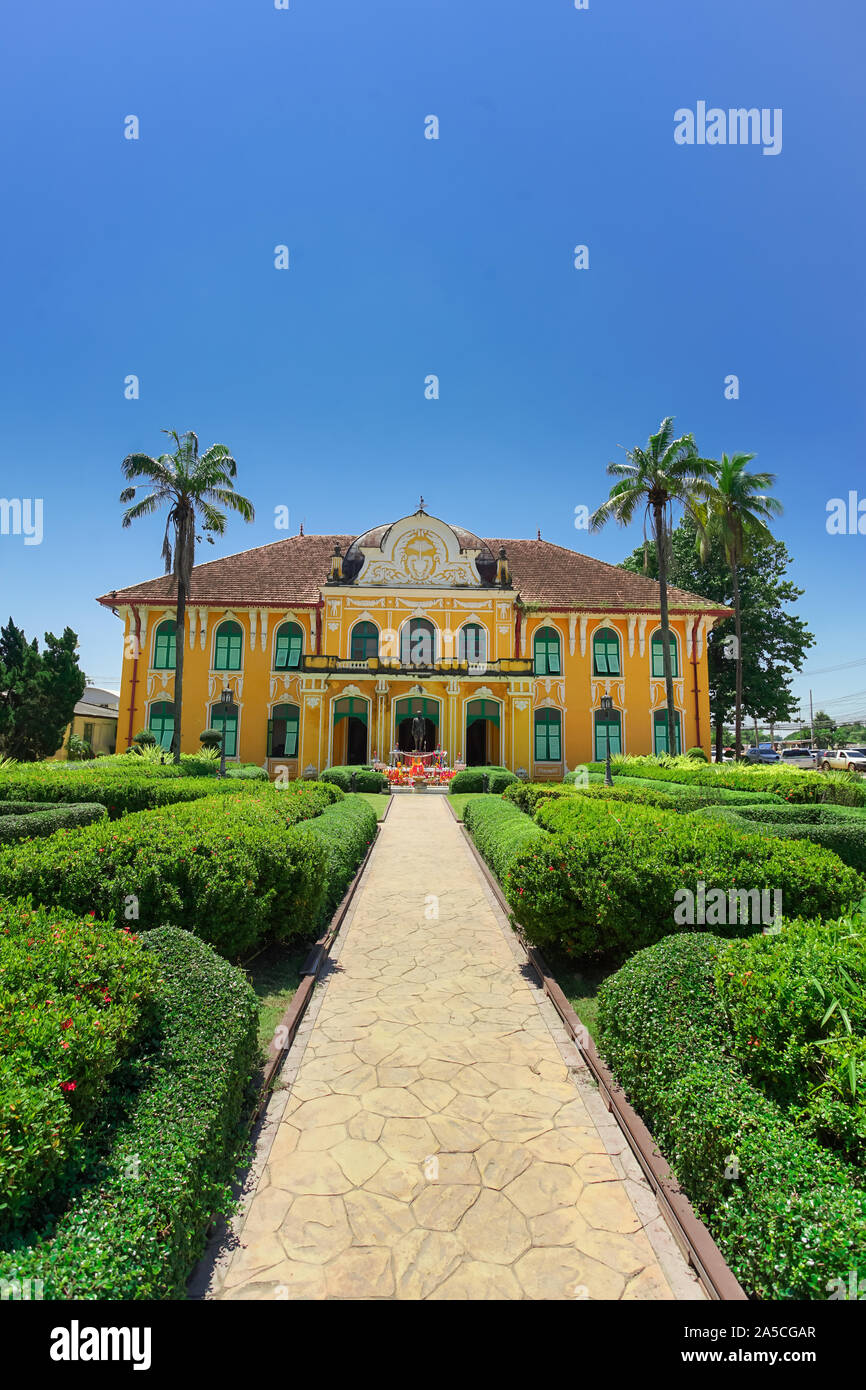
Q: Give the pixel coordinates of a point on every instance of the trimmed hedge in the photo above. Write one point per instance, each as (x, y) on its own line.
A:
(606, 881)
(793, 784)
(170, 1138)
(785, 1212)
(344, 832)
(367, 779)
(692, 794)
(500, 830)
(73, 994)
(121, 793)
(232, 869)
(20, 820)
(841, 829)
(528, 795)
(796, 1007)
(471, 779)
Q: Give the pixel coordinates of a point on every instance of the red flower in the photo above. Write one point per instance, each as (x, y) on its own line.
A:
(67, 1023)
(67, 1085)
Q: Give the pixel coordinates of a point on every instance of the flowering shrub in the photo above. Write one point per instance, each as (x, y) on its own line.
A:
(165, 1143)
(73, 1000)
(499, 830)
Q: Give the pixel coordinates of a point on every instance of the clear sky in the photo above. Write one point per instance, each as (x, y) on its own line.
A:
(410, 257)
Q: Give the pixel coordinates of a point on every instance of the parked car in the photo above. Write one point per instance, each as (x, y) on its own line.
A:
(798, 757)
(727, 756)
(850, 759)
(763, 753)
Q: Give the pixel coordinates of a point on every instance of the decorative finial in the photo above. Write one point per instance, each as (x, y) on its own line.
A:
(421, 505)
(538, 534)
(301, 532)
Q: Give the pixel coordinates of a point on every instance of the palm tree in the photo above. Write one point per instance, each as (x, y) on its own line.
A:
(667, 471)
(735, 511)
(192, 485)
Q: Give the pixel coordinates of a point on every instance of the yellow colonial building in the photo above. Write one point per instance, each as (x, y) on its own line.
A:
(329, 647)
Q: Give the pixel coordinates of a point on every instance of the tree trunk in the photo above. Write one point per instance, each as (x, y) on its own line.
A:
(178, 671)
(738, 699)
(720, 738)
(661, 548)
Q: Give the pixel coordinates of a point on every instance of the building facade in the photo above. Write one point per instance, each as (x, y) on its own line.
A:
(316, 651)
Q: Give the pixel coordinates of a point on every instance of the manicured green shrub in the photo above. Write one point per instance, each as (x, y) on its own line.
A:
(20, 820)
(609, 879)
(73, 997)
(248, 772)
(697, 754)
(500, 829)
(471, 779)
(367, 779)
(169, 1141)
(344, 832)
(841, 829)
(232, 869)
(527, 795)
(693, 793)
(211, 738)
(785, 1212)
(145, 738)
(796, 1007)
(119, 792)
(793, 784)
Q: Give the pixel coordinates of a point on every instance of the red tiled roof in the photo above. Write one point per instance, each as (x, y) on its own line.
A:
(293, 571)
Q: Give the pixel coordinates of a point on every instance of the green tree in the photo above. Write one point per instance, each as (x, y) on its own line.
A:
(665, 473)
(774, 640)
(733, 515)
(194, 486)
(38, 692)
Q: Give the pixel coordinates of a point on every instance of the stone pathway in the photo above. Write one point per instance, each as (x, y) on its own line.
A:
(437, 1136)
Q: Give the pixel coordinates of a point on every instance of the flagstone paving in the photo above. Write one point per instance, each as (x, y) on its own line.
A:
(438, 1136)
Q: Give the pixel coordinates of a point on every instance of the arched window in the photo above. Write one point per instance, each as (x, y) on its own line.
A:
(225, 718)
(365, 642)
(165, 646)
(658, 654)
(161, 723)
(548, 736)
(472, 643)
(288, 647)
(608, 733)
(418, 643)
(546, 651)
(660, 732)
(283, 728)
(229, 647)
(605, 653)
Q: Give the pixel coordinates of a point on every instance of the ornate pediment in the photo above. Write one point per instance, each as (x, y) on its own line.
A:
(420, 549)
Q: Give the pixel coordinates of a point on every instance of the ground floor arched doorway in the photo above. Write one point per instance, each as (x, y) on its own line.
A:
(350, 747)
(405, 713)
(482, 733)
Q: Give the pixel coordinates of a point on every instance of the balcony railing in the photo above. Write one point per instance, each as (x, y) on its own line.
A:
(393, 666)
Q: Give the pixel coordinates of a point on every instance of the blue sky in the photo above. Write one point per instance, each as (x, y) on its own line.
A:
(411, 257)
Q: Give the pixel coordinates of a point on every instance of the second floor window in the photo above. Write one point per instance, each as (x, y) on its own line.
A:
(546, 651)
(472, 643)
(658, 654)
(289, 647)
(417, 643)
(365, 642)
(229, 647)
(605, 653)
(165, 646)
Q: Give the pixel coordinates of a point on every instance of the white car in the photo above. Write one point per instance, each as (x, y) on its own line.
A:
(850, 759)
(797, 757)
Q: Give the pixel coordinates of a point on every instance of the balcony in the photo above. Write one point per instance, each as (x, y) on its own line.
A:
(392, 666)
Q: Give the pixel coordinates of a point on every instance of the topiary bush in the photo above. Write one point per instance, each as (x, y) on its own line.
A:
(144, 787)
(23, 820)
(73, 1002)
(841, 829)
(697, 755)
(471, 779)
(608, 879)
(793, 784)
(500, 829)
(788, 1215)
(528, 795)
(232, 869)
(344, 831)
(367, 779)
(167, 1143)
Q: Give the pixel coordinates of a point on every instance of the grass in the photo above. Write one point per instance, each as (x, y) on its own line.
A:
(581, 987)
(275, 975)
(378, 800)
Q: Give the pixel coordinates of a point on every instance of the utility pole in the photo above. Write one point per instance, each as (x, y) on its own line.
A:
(811, 723)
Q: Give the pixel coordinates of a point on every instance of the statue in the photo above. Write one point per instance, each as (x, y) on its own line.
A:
(419, 732)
